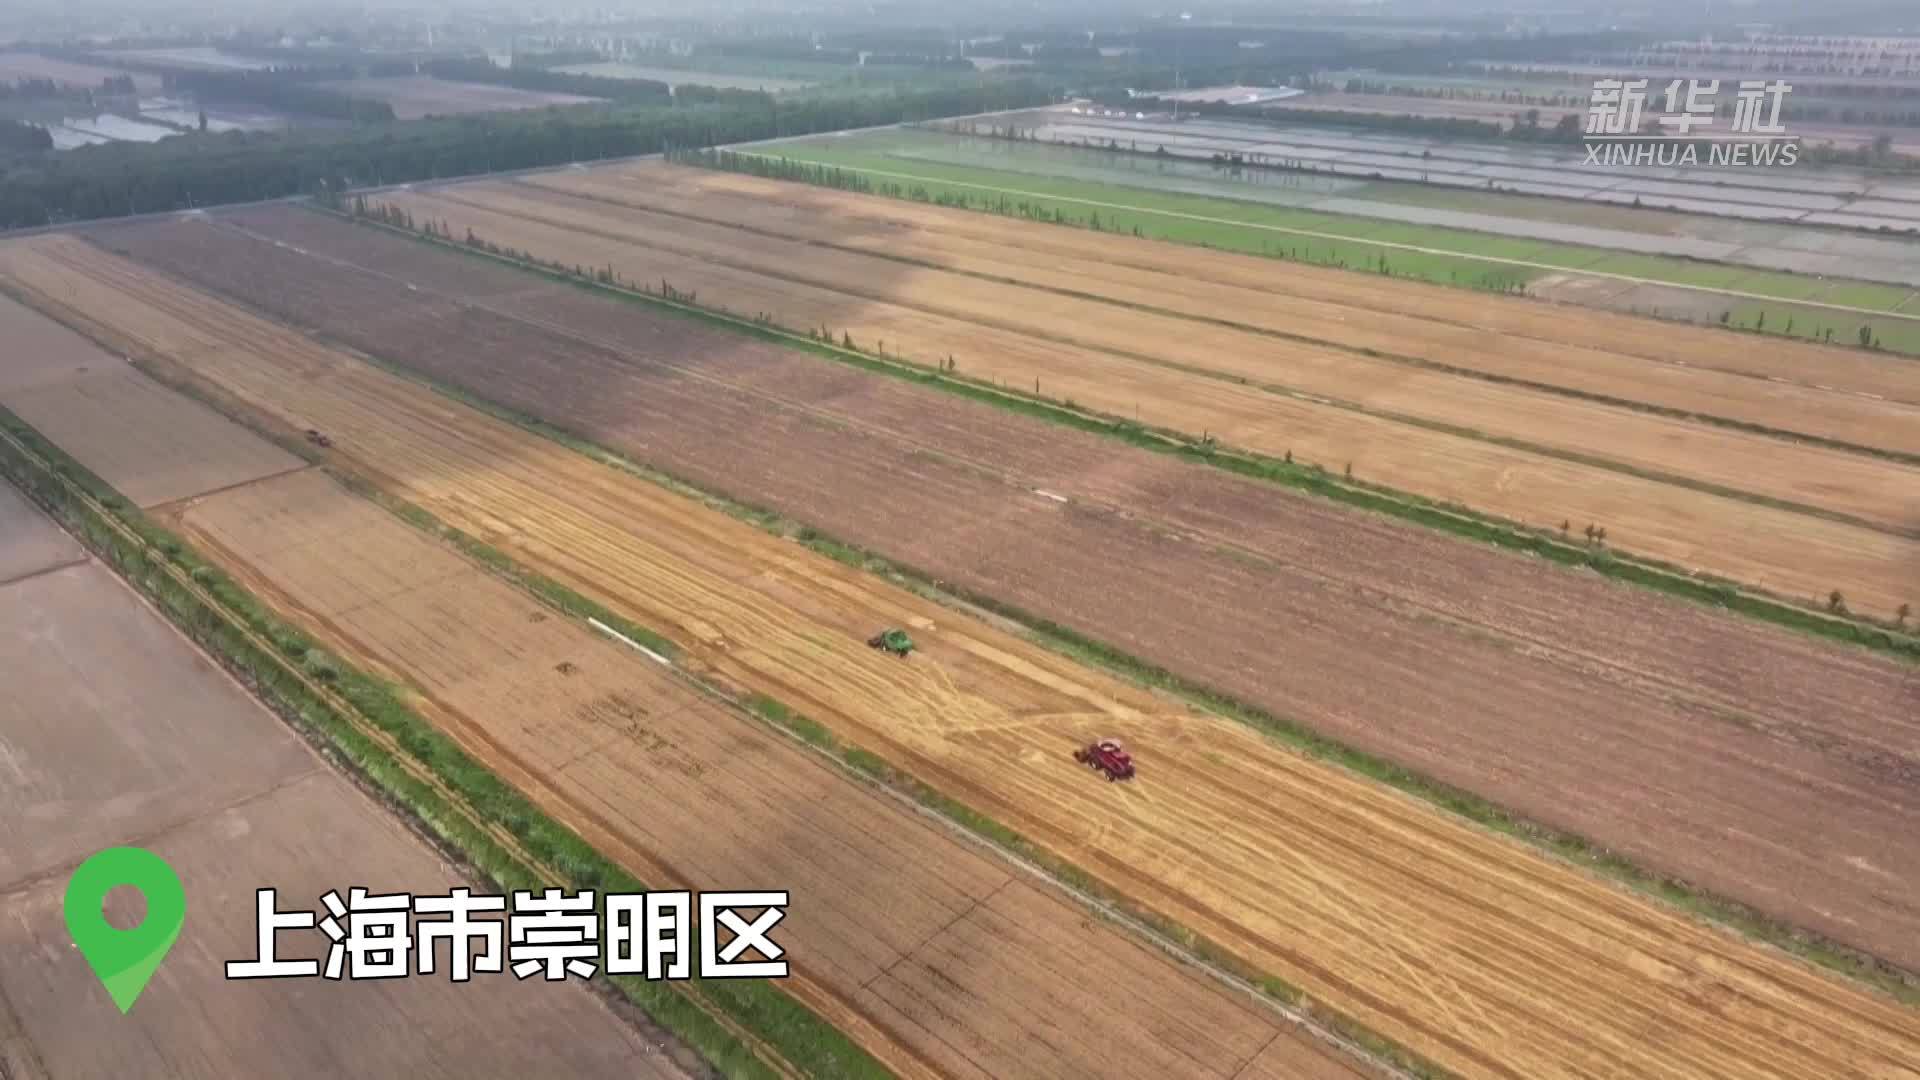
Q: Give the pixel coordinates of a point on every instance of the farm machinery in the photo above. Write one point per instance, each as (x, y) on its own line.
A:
(893, 640)
(1109, 757)
(317, 439)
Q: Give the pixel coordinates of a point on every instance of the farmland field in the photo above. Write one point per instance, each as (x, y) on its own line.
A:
(115, 730)
(573, 719)
(413, 97)
(1453, 214)
(689, 794)
(29, 543)
(151, 445)
(1461, 945)
(1260, 574)
(1679, 491)
(23, 65)
(676, 77)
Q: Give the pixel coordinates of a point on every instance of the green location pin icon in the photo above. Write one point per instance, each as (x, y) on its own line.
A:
(124, 960)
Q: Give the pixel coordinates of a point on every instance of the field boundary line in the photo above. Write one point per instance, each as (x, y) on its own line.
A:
(42, 571)
(1726, 916)
(1318, 235)
(1455, 519)
(1653, 408)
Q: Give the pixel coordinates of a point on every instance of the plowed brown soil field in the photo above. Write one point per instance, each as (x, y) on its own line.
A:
(153, 446)
(1461, 945)
(1793, 553)
(924, 235)
(1722, 751)
(690, 794)
(115, 730)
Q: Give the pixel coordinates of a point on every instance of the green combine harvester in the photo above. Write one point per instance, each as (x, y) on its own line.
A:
(893, 640)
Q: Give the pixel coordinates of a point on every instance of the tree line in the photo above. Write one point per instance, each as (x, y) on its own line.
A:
(286, 89)
(543, 80)
(24, 89)
(200, 169)
(16, 137)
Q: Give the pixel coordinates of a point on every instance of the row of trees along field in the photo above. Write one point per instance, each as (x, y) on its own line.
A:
(482, 70)
(199, 169)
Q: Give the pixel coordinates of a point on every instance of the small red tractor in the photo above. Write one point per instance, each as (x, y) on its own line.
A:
(1107, 756)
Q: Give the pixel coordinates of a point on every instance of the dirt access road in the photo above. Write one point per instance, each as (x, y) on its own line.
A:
(1470, 949)
(1792, 553)
(115, 730)
(1717, 749)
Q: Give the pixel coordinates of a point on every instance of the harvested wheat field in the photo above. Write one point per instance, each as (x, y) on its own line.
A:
(415, 96)
(1082, 262)
(115, 730)
(1848, 483)
(40, 350)
(1717, 749)
(1465, 947)
(1281, 284)
(1845, 522)
(690, 794)
(151, 445)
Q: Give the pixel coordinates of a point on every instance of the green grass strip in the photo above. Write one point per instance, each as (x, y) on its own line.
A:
(1451, 518)
(794, 1031)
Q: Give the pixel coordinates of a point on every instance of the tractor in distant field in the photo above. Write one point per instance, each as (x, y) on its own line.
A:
(318, 439)
(892, 640)
(1107, 756)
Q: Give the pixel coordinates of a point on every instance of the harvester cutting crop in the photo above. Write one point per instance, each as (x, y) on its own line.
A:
(893, 640)
(1107, 756)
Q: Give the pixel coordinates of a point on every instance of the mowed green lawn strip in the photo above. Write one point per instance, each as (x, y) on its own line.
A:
(1124, 209)
(1867, 294)
(1460, 256)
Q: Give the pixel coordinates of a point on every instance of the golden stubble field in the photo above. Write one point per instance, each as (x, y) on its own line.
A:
(937, 957)
(1867, 400)
(1468, 948)
(1796, 519)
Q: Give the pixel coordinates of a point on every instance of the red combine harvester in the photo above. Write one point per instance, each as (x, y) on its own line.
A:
(1107, 756)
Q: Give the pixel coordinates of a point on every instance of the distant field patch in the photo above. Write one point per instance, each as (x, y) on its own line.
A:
(22, 65)
(195, 58)
(417, 96)
(1560, 211)
(672, 77)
